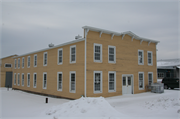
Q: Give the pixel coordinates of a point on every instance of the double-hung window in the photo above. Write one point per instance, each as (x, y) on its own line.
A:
(45, 59)
(35, 60)
(18, 63)
(23, 62)
(73, 82)
(44, 80)
(18, 79)
(28, 61)
(141, 80)
(73, 54)
(97, 81)
(35, 80)
(15, 64)
(14, 78)
(150, 78)
(60, 56)
(22, 78)
(28, 79)
(140, 57)
(112, 81)
(59, 81)
(150, 58)
(97, 52)
(112, 54)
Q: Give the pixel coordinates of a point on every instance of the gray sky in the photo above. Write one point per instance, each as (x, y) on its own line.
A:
(32, 25)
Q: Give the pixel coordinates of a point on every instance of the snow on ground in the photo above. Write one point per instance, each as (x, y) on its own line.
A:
(21, 105)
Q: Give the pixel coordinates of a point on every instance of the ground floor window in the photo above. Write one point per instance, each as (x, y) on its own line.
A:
(150, 78)
(34, 80)
(14, 78)
(22, 79)
(44, 80)
(141, 80)
(28, 79)
(97, 81)
(160, 75)
(112, 81)
(59, 81)
(18, 79)
(73, 81)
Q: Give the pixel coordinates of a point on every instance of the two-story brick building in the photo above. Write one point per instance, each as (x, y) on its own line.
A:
(103, 63)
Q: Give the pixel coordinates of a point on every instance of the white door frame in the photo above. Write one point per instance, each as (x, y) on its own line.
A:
(132, 82)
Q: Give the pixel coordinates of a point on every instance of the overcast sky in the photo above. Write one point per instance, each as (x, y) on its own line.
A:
(30, 26)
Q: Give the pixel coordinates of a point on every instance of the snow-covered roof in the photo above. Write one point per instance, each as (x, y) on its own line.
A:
(168, 63)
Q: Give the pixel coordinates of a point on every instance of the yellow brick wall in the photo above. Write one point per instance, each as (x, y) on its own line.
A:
(126, 62)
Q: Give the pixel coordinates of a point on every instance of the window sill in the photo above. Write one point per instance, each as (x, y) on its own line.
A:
(73, 62)
(141, 88)
(111, 62)
(72, 91)
(96, 92)
(59, 90)
(111, 91)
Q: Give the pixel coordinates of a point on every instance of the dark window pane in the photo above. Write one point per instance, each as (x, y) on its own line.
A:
(97, 56)
(111, 50)
(124, 81)
(111, 57)
(97, 49)
(129, 80)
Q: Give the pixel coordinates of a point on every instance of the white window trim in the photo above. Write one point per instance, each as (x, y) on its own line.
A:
(95, 44)
(33, 80)
(36, 60)
(14, 78)
(29, 79)
(151, 57)
(142, 57)
(18, 63)
(114, 72)
(22, 79)
(7, 67)
(71, 72)
(148, 77)
(43, 80)
(143, 80)
(109, 46)
(101, 89)
(18, 79)
(23, 62)
(15, 63)
(58, 56)
(70, 54)
(29, 61)
(44, 59)
(58, 81)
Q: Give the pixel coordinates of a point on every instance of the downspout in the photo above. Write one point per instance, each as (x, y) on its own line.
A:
(86, 32)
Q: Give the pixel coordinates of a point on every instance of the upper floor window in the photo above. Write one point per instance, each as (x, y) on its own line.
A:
(150, 57)
(23, 62)
(35, 60)
(18, 63)
(97, 81)
(15, 64)
(150, 78)
(60, 56)
(141, 57)
(112, 54)
(141, 80)
(7, 65)
(44, 80)
(97, 52)
(28, 61)
(45, 59)
(73, 54)
(112, 81)
(59, 81)
(72, 81)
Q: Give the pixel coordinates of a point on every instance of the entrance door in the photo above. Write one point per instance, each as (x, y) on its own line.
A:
(8, 79)
(127, 85)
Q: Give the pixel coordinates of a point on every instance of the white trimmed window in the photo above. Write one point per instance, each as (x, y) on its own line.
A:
(112, 54)
(150, 78)
(45, 58)
(59, 81)
(97, 52)
(23, 62)
(140, 57)
(150, 58)
(45, 80)
(28, 79)
(160, 75)
(73, 54)
(73, 82)
(7, 65)
(112, 81)
(14, 78)
(35, 60)
(97, 81)
(34, 80)
(141, 80)
(15, 64)
(22, 78)
(28, 61)
(18, 79)
(18, 63)
(60, 56)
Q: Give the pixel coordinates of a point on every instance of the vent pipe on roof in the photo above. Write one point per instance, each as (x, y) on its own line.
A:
(78, 37)
(51, 45)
